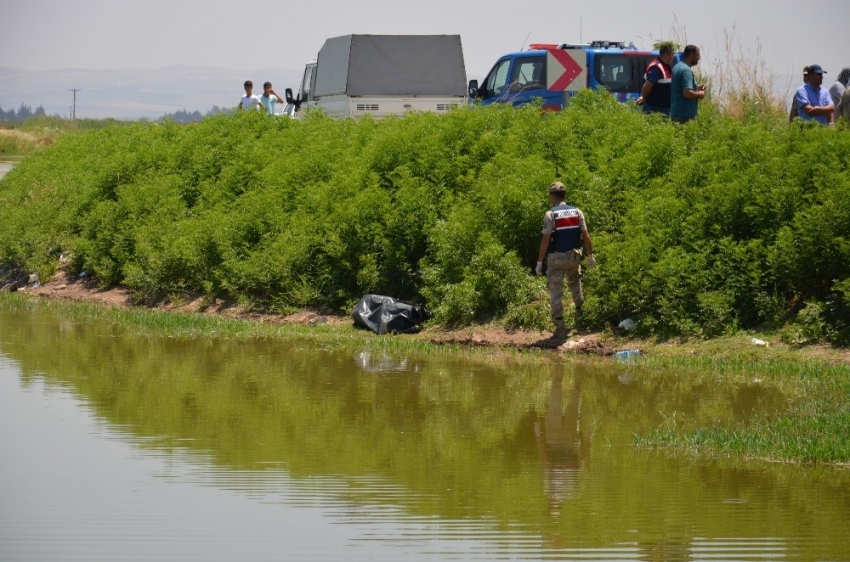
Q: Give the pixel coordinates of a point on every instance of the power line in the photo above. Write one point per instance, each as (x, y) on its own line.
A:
(74, 110)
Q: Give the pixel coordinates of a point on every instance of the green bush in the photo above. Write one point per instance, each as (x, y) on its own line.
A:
(809, 326)
(699, 230)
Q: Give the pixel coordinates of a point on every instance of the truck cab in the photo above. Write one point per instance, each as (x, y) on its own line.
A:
(293, 104)
(554, 73)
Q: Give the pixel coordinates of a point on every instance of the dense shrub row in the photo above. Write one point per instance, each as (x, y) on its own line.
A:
(699, 230)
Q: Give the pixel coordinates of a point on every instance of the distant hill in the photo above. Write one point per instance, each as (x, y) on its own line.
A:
(135, 93)
(6, 71)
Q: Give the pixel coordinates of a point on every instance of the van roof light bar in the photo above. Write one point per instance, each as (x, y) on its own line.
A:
(592, 45)
(613, 45)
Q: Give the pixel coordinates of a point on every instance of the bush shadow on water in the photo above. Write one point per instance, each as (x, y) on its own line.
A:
(532, 441)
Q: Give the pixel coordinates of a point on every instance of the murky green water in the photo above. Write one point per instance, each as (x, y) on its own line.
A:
(5, 168)
(115, 447)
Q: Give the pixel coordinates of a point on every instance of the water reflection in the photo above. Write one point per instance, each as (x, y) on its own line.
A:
(438, 456)
(563, 443)
(370, 361)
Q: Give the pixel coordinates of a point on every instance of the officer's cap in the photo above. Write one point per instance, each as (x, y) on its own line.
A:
(557, 187)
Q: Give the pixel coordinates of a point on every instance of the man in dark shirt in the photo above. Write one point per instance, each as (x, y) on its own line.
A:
(655, 95)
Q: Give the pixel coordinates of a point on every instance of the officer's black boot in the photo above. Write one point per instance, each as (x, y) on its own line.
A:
(560, 332)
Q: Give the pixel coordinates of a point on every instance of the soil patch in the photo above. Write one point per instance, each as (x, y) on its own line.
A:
(79, 288)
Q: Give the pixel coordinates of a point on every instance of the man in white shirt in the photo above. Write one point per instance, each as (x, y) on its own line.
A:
(249, 100)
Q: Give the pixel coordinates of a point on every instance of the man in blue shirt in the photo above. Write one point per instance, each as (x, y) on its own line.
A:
(269, 98)
(685, 93)
(813, 101)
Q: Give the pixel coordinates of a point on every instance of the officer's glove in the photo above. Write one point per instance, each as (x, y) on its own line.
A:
(539, 269)
(591, 262)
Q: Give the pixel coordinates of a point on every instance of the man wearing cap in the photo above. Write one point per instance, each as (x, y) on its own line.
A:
(813, 101)
(564, 230)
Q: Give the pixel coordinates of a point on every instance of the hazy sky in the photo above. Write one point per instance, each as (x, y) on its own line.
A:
(249, 35)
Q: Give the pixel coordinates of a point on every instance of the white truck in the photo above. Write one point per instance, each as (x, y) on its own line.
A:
(380, 75)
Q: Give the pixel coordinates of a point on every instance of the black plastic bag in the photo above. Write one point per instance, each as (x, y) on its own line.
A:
(385, 315)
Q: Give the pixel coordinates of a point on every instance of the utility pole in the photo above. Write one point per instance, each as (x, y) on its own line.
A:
(74, 110)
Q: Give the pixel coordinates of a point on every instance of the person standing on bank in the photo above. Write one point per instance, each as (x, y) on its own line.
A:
(685, 93)
(249, 100)
(813, 101)
(655, 95)
(837, 90)
(564, 230)
(269, 98)
(844, 105)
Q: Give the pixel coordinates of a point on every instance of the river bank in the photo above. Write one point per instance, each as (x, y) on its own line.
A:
(736, 347)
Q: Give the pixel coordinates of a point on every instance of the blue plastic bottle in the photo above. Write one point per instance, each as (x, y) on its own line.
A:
(626, 355)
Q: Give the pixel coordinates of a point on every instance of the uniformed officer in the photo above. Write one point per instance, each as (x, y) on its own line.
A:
(655, 94)
(564, 230)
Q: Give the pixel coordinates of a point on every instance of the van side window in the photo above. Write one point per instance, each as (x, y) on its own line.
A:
(616, 73)
(642, 63)
(498, 78)
(529, 73)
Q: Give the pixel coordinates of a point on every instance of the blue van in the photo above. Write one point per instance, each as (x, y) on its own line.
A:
(555, 73)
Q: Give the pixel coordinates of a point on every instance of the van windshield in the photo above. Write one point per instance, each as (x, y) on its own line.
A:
(497, 79)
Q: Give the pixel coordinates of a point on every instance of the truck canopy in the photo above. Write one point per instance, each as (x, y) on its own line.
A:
(391, 65)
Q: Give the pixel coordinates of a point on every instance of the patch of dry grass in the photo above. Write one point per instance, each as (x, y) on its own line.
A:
(14, 142)
(741, 82)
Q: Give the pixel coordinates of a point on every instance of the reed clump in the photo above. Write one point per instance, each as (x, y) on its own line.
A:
(742, 84)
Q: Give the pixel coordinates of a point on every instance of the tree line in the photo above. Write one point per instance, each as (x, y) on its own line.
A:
(22, 114)
(25, 111)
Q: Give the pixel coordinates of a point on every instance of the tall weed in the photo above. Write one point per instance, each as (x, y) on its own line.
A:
(699, 230)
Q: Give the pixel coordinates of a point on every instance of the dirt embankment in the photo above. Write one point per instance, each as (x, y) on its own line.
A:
(85, 289)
